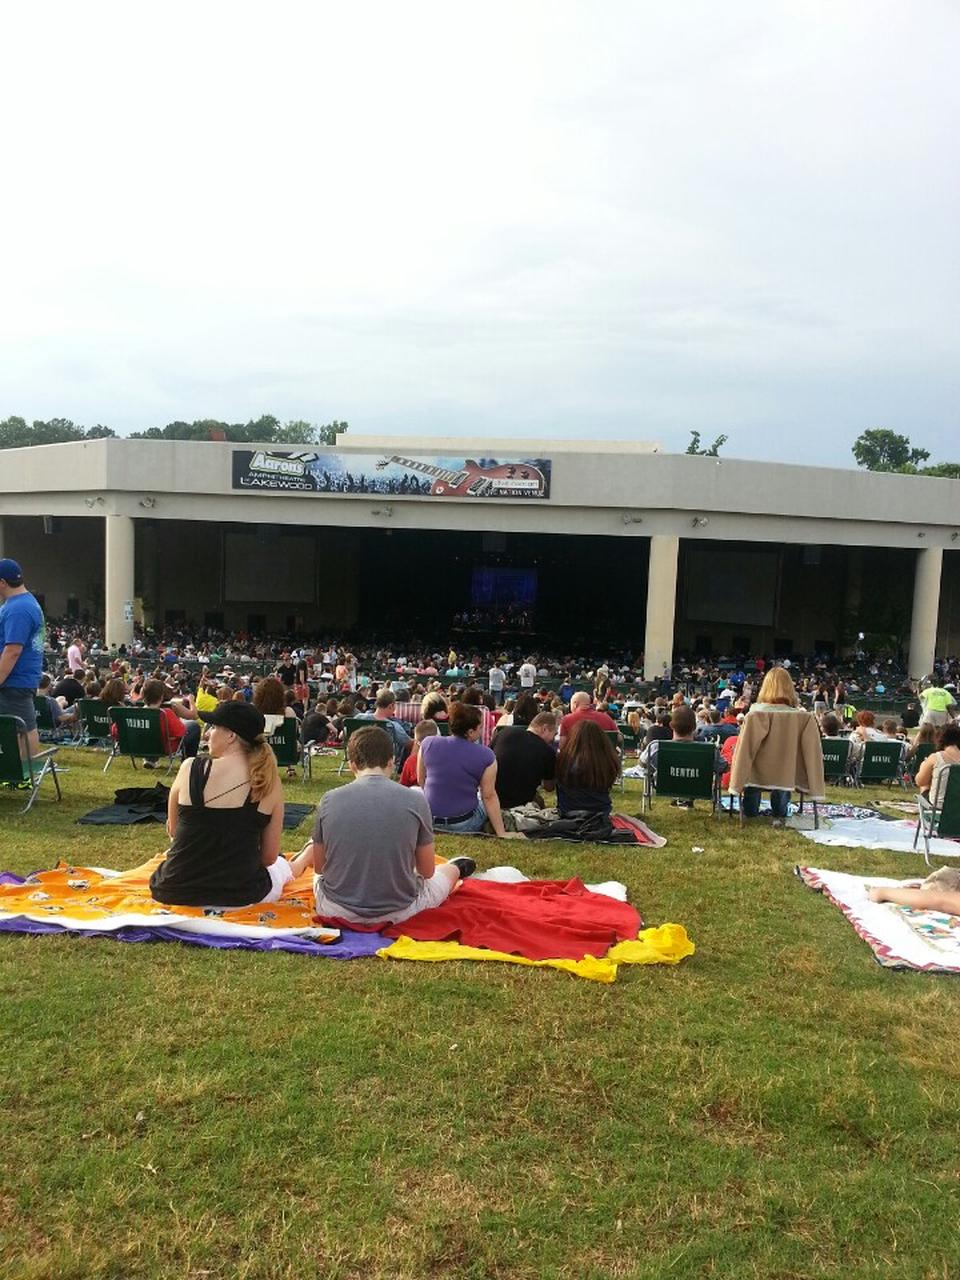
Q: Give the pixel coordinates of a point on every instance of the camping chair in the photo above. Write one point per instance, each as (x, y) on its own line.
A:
(616, 738)
(881, 762)
(684, 771)
(940, 815)
(836, 761)
(47, 729)
(285, 741)
(18, 766)
(803, 797)
(95, 723)
(349, 725)
(916, 760)
(139, 733)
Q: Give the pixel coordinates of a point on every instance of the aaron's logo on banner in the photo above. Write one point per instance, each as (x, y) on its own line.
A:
(356, 473)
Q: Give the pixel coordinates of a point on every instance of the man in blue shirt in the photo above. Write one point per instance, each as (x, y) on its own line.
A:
(383, 717)
(21, 649)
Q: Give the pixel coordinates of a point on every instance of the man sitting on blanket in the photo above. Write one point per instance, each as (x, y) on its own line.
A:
(372, 847)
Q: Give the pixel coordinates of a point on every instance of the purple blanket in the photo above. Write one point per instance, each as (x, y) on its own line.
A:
(351, 946)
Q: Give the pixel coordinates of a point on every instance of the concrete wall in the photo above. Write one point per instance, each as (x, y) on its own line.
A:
(66, 562)
(593, 490)
(189, 577)
(181, 498)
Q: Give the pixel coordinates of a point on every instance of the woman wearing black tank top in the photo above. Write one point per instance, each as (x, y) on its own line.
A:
(224, 818)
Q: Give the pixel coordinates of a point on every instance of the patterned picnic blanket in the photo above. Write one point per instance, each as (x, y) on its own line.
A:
(899, 937)
(592, 931)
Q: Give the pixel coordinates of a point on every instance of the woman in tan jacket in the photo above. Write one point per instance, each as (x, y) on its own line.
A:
(778, 749)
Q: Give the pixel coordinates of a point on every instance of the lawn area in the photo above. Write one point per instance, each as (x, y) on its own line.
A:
(777, 1105)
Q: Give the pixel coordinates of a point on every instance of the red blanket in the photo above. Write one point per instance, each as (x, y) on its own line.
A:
(539, 919)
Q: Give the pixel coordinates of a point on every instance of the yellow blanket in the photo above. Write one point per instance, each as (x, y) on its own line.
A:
(667, 944)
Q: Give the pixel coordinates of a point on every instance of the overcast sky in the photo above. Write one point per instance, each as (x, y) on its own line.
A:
(592, 220)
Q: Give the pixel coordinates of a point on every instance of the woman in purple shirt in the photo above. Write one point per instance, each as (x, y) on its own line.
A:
(452, 770)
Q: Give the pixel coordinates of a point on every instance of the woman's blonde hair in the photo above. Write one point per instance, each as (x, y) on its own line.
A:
(778, 688)
(433, 704)
(264, 774)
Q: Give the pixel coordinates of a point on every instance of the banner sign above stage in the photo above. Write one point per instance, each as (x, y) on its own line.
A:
(421, 476)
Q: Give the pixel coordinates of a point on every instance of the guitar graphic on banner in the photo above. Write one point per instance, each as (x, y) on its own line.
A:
(506, 480)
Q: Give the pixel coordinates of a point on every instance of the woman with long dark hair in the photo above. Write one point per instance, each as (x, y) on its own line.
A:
(587, 767)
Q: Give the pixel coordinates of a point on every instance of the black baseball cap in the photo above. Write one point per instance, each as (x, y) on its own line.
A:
(240, 718)
(11, 573)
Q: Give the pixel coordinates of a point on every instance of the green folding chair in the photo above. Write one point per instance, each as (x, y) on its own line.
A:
(139, 734)
(836, 760)
(940, 815)
(349, 726)
(95, 723)
(616, 738)
(881, 762)
(47, 728)
(285, 742)
(916, 760)
(19, 767)
(684, 771)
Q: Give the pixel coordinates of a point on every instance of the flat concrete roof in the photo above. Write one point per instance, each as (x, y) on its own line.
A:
(603, 487)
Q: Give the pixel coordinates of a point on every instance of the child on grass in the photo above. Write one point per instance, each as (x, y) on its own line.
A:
(422, 729)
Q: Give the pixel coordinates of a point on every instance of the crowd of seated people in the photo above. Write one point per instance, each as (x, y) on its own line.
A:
(468, 746)
(820, 681)
(322, 685)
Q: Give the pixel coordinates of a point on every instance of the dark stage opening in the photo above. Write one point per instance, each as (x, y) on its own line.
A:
(548, 587)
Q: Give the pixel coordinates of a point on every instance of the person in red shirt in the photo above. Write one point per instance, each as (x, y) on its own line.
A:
(422, 729)
(582, 709)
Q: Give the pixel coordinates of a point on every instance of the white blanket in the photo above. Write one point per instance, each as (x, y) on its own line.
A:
(878, 833)
(899, 938)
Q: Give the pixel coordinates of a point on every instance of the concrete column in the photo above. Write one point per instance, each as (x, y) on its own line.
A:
(926, 607)
(119, 579)
(661, 605)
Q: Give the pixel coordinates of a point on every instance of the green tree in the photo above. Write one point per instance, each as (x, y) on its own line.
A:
(714, 450)
(950, 470)
(263, 430)
(15, 433)
(880, 449)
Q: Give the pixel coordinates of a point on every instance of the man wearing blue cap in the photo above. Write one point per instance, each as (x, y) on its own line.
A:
(21, 649)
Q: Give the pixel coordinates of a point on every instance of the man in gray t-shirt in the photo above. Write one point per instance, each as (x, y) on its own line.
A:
(373, 843)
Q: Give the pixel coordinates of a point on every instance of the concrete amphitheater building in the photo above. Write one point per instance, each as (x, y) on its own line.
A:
(586, 541)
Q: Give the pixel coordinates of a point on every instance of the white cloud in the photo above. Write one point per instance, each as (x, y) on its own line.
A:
(628, 219)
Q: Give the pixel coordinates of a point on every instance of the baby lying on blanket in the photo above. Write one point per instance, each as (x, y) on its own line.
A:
(939, 892)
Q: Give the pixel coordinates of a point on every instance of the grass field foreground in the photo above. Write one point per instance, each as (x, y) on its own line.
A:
(777, 1105)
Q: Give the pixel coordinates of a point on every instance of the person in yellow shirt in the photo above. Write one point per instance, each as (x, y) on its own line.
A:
(936, 703)
(206, 697)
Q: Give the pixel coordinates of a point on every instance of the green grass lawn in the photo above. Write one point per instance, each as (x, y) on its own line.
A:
(777, 1105)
